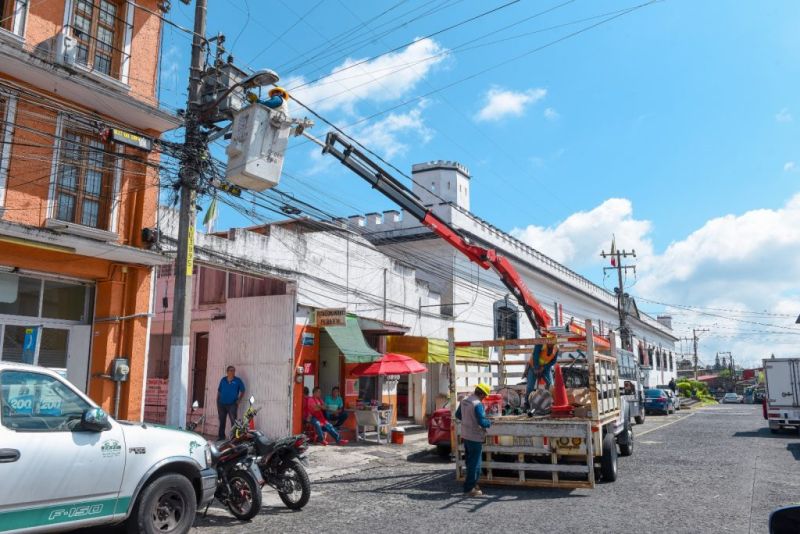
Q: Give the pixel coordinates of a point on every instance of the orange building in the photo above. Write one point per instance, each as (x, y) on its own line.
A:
(78, 184)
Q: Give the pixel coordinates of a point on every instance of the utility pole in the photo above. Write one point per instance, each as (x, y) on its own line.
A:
(184, 263)
(694, 340)
(616, 262)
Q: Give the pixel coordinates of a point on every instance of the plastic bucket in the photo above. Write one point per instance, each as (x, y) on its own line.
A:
(398, 435)
(493, 405)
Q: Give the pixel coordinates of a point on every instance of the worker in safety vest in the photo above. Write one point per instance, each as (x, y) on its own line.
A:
(473, 424)
(540, 366)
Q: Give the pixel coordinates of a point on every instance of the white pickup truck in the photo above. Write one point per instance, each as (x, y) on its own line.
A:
(64, 463)
(782, 401)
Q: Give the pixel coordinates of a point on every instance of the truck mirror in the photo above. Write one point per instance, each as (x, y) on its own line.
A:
(95, 420)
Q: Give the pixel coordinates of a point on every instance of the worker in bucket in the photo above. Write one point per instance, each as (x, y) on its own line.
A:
(278, 100)
(473, 424)
(540, 367)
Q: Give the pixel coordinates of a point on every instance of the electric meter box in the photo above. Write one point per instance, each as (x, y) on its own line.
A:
(259, 136)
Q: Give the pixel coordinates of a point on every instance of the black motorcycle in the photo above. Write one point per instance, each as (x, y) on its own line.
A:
(281, 462)
(239, 480)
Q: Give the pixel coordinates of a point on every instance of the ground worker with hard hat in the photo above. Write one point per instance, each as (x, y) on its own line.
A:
(473, 424)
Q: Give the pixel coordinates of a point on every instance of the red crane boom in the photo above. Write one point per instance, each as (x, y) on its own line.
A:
(397, 192)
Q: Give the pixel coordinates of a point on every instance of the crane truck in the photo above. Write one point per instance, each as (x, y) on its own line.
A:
(530, 451)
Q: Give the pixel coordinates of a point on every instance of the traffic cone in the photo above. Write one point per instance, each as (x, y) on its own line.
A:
(561, 406)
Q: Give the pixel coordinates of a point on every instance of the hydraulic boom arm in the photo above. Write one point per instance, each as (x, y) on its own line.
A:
(397, 192)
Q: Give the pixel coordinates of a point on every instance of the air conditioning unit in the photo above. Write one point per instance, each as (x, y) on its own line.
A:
(68, 49)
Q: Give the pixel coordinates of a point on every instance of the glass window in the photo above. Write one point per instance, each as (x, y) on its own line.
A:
(506, 321)
(35, 401)
(98, 27)
(13, 342)
(83, 192)
(53, 348)
(64, 300)
(26, 301)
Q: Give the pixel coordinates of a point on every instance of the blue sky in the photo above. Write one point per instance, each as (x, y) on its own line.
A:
(674, 126)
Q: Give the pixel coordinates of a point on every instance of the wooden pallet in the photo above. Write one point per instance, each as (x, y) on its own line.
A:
(528, 463)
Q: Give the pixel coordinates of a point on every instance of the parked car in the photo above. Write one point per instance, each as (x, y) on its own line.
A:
(74, 466)
(731, 398)
(439, 429)
(657, 400)
(676, 401)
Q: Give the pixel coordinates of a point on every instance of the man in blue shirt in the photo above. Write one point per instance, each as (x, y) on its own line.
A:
(473, 432)
(229, 392)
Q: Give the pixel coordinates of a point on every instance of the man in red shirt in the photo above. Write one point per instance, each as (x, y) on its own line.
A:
(314, 413)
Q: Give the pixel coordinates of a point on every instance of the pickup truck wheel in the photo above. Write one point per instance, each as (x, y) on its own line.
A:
(166, 506)
(639, 419)
(626, 449)
(608, 462)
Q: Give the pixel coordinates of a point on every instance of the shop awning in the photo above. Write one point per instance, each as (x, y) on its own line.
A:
(351, 342)
(431, 350)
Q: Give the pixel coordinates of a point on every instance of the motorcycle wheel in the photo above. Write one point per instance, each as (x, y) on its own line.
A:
(245, 499)
(293, 475)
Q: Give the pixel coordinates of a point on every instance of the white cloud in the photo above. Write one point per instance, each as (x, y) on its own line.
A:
(579, 239)
(784, 115)
(789, 166)
(384, 136)
(386, 78)
(738, 273)
(502, 103)
(551, 114)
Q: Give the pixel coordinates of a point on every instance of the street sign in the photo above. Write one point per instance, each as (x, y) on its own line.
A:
(128, 138)
(331, 317)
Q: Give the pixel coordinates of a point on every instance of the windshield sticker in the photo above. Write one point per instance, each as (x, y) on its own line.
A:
(111, 447)
(192, 446)
(20, 398)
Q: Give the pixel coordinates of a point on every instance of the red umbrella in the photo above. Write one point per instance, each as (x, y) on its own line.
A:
(390, 364)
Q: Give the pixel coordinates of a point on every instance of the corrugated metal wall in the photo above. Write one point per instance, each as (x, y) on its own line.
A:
(256, 337)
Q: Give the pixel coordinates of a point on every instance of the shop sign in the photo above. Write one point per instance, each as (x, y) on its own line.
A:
(308, 339)
(130, 139)
(308, 368)
(332, 317)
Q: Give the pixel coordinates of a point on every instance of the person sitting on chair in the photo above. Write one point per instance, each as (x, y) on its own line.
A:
(314, 414)
(334, 408)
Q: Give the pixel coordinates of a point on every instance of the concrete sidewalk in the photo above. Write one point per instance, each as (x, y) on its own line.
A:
(333, 461)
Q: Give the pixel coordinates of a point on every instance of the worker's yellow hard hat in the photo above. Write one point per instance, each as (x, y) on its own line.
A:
(484, 387)
(279, 91)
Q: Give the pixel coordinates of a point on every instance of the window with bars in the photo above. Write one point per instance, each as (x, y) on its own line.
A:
(98, 26)
(85, 174)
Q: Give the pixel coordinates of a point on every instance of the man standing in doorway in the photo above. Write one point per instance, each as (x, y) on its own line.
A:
(229, 392)
(672, 385)
(473, 424)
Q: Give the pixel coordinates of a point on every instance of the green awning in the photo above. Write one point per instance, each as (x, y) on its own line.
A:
(351, 342)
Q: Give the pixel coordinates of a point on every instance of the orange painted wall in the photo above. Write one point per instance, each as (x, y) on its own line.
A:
(307, 353)
(117, 293)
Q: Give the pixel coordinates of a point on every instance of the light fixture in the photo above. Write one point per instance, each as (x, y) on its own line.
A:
(260, 78)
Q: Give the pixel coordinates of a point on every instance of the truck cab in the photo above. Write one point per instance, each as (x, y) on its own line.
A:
(72, 465)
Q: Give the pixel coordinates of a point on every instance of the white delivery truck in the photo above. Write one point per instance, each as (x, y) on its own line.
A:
(64, 463)
(782, 401)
